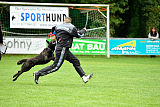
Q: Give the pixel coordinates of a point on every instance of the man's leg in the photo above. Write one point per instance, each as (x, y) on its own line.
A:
(76, 63)
(60, 56)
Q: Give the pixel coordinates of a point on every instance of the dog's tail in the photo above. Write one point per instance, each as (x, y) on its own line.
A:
(21, 61)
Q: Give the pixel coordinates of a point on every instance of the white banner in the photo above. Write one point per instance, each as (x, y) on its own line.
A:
(37, 17)
(24, 45)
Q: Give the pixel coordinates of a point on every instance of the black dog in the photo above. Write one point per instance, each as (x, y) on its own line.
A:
(44, 57)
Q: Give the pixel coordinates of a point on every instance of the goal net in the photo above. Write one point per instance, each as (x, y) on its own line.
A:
(37, 19)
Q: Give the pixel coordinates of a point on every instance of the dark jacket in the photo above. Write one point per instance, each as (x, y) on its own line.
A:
(65, 33)
(153, 34)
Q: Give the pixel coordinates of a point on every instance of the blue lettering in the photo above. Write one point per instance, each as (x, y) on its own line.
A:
(43, 16)
(22, 16)
(38, 17)
(33, 17)
(27, 16)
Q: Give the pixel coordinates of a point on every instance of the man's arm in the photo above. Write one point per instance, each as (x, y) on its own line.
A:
(82, 32)
(53, 29)
(78, 34)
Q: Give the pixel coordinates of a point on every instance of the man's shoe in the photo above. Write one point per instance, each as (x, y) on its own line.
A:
(86, 78)
(36, 77)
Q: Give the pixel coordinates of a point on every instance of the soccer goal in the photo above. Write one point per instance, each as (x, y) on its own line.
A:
(37, 19)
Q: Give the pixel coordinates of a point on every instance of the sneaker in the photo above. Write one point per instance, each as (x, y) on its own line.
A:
(86, 78)
(36, 77)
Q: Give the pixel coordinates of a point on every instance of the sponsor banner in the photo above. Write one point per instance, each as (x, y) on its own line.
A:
(16, 45)
(89, 47)
(37, 17)
(24, 45)
(134, 47)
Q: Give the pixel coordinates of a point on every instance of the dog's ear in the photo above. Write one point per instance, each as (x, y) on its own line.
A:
(47, 41)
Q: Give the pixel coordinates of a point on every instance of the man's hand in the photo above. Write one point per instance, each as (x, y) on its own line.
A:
(82, 31)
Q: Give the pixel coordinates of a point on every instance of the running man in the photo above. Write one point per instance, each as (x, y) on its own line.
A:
(64, 36)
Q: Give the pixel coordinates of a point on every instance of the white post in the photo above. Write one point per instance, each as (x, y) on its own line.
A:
(108, 34)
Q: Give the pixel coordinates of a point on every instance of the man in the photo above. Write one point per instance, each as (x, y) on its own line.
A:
(1, 40)
(64, 36)
(3, 47)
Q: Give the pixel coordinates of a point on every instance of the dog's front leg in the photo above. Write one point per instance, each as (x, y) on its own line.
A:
(17, 75)
(51, 58)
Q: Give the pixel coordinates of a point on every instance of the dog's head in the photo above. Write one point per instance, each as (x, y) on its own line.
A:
(47, 52)
(51, 44)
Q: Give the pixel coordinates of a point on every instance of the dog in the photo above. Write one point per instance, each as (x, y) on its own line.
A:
(44, 57)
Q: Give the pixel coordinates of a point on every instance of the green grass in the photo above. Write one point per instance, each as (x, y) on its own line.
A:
(120, 81)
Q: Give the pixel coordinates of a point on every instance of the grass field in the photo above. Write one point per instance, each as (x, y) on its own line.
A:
(120, 81)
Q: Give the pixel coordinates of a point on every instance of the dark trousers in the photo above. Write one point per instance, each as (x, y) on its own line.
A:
(62, 53)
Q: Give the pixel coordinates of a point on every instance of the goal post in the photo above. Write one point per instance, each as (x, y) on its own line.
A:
(41, 17)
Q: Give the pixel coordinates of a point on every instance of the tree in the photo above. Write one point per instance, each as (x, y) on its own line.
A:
(151, 11)
(144, 14)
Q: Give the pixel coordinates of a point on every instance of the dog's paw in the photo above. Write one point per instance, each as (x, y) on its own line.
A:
(14, 79)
